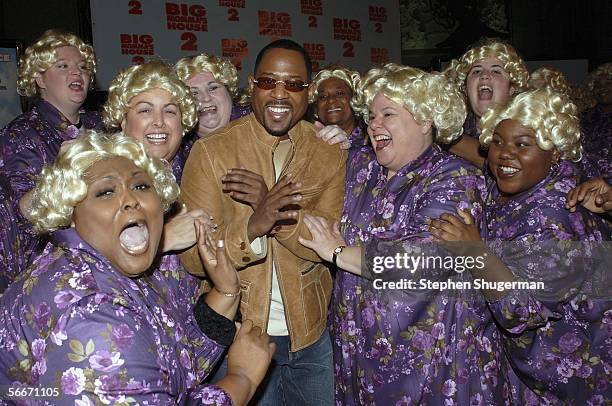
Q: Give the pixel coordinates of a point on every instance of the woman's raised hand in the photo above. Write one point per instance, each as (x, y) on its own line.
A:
(180, 230)
(218, 267)
(325, 238)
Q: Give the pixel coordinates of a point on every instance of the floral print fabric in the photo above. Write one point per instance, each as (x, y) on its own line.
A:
(27, 144)
(559, 347)
(397, 348)
(73, 322)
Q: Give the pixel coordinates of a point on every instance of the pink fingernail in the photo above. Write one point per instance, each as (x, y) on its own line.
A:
(220, 244)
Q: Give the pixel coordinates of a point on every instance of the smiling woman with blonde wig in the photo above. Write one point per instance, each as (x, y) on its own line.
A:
(389, 340)
(150, 103)
(335, 100)
(549, 114)
(554, 336)
(429, 97)
(141, 78)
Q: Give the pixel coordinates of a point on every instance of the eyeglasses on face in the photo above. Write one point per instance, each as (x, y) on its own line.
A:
(292, 85)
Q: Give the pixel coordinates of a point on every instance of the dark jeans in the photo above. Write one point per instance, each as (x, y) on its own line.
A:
(297, 378)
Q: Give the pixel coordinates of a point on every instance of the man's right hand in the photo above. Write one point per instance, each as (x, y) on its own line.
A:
(244, 185)
(283, 193)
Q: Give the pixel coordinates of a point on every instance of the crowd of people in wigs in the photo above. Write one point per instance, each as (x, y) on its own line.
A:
(195, 242)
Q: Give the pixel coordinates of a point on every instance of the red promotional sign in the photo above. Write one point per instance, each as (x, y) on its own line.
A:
(274, 24)
(346, 29)
(314, 7)
(186, 17)
(316, 53)
(235, 49)
(137, 44)
(377, 13)
(379, 56)
(232, 3)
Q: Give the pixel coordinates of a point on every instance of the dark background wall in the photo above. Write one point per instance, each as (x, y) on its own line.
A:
(539, 29)
(25, 20)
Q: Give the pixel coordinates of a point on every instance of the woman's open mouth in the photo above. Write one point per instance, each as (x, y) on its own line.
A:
(134, 238)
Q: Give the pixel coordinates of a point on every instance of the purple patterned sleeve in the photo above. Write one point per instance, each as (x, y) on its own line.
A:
(519, 311)
(455, 184)
(11, 258)
(25, 154)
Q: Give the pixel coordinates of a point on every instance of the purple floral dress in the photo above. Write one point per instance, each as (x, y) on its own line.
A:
(359, 137)
(596, 126)
(399, 348)
(596, 139)
(74, 323)
(27, 144)
(557, 341)
(11, 258)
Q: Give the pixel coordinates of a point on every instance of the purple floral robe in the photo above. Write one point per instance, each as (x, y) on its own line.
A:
(359, 136)
(73, 322)
(395, 348)
(596, 139)
(11, 258)
(596, 126)
(27, 144)
(560, 345)
(33, 140)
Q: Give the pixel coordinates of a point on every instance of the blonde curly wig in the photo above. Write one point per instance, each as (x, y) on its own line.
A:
(221, 68)
(490, 48)
(550, 77)
(41, 55)
(60, 187)
(137, 79)
(551, 115)
(350, 77)
(427, 96)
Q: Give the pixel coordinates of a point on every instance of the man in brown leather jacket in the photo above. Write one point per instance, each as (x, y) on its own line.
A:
(257, 178)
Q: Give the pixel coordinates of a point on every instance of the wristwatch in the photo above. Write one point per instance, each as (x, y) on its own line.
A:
(337, 252)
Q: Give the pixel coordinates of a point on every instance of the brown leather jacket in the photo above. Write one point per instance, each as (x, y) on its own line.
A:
(304, 281)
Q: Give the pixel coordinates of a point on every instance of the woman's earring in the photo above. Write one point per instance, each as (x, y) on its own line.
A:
(555, 166)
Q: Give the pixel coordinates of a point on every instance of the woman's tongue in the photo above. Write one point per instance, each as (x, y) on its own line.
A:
(135, 239)
(382, 144)
(485, 94)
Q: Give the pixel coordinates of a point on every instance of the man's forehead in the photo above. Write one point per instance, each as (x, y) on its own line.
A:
(280, 61)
